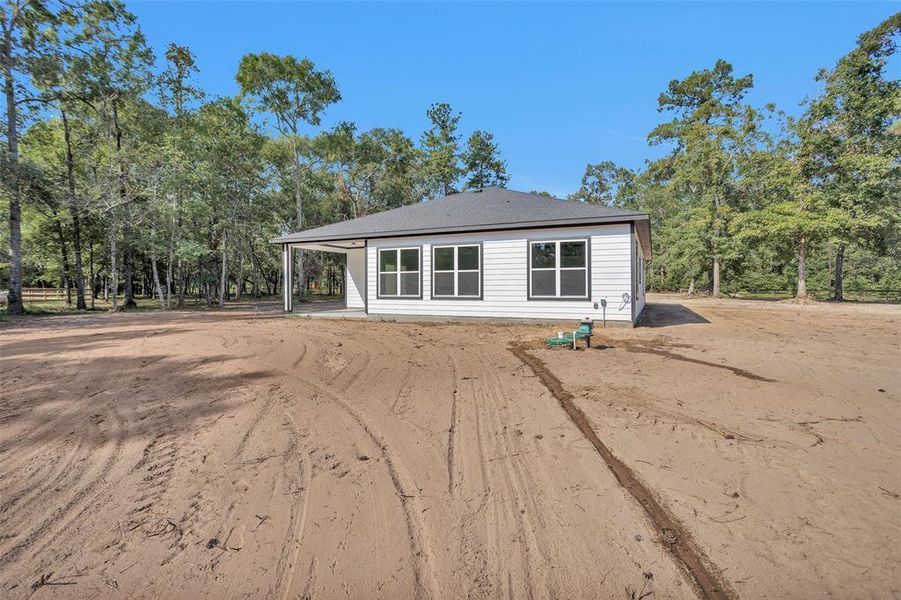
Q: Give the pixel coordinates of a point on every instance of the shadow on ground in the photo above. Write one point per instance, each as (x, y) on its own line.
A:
(86, 381)
(667, 315)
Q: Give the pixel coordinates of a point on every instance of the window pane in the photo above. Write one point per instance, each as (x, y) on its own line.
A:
(544, 283)
(572, 283)
(468, 284)
(467, 258)
(444, 259)
(409, 260)
(409, 284)
(389, 284)
(444, 284)
(544, 255)
(388, 260)
(572, 254)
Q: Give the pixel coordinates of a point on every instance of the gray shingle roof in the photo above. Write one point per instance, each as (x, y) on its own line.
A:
(482, 210)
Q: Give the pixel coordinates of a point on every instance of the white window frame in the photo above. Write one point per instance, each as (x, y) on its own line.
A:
(558, 269)
(398, 273)
(456, 271)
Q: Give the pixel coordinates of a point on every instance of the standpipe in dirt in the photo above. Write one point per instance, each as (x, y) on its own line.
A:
(705, 576)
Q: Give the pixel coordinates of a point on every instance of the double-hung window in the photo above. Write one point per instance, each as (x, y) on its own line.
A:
(558, 269)
(457, 271)
(399, 272)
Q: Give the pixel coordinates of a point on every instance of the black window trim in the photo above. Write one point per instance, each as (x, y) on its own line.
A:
(481, 295)
(529, 242)
(378, 272)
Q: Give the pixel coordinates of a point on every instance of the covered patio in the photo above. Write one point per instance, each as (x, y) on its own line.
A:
(328, 309)
(354, 304)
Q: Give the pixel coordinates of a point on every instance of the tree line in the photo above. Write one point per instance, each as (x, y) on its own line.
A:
(122, 178)
(750, 198)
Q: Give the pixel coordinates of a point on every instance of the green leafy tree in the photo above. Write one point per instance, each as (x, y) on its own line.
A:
(607, 184)
(482, 162)
(111, 70)
(177, 95)
(792, 214)
(711, 130)
(233, 177)
(75, 31)
(850, 140)
(374, 171)
(441, 164)
(22, 23)
(42, 151)
(678, 239)
(295, 94)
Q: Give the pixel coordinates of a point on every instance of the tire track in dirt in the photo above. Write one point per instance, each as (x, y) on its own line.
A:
(424, 579)
(159, 459)
(497, 505)
(255, 422)
(706, 577)
(101, 481)
(24, 446)
(516, 486)
(452, 431)
(47, 478)
(73, 470)
(359, 364)
(81, 493)
(636, 347)
(286, 564)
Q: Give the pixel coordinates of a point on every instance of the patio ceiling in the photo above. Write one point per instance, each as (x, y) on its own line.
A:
(341, 247)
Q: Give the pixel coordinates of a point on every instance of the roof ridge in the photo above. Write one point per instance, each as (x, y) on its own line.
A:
(484, 209)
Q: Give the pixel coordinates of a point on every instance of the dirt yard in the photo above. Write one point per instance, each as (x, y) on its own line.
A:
(242, 454)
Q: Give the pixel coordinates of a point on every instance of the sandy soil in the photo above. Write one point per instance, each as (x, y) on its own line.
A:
(772, 431)
(241, 454)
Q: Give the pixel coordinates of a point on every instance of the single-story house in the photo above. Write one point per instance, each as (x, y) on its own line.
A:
(492, 253)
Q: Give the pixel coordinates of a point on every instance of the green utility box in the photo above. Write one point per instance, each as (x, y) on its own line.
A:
(583, 332)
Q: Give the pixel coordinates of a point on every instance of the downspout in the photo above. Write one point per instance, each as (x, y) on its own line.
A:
(365, 277)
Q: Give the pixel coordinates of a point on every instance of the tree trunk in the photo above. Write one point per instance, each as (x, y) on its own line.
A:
(331, 279)
(64, 255)
(73, 212)
(156, 281)
(114, 274)
(839, 273)
(716, 276)
(298, 199)
(239, 279)
(127, 254)
(14, 299)
(255, 265)
(183, 283)
(93, 282)
(802, 270)
(691, 287)
(169, 271)
(223, 279)
(128, 291)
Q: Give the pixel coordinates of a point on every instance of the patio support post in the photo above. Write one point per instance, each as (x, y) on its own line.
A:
(288, 279)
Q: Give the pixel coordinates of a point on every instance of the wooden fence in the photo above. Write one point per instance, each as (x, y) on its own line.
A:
(37, 294)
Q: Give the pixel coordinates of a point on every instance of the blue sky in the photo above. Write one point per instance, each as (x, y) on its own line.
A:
(558, 84)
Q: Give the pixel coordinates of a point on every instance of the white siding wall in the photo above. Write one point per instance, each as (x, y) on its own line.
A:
(356, 278)
(505, 266)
